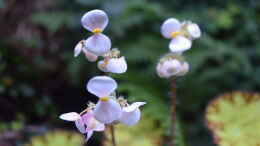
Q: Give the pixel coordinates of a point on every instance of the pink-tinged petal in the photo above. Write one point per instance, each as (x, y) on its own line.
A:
(98, 44)
(72, 116)
(89, 134)
(78, 49)
(117, 65)
(130, 118)
(170, 25)
(107, 111)
(171, 67)
(101, 86)
(180, 44)
(94, 19)
(133, 106)
(80, 125)
(194, 30)
(102, 66)
(90, 56)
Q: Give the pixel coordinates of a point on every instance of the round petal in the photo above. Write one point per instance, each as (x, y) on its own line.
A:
(72, 116)
(160, 71)
(170, 25)
(180, 44)
(107, 111)
(102, 66)
(98, 44)
(78, 49)
(172, 67)
(133, 106)
(130, 118)
(90, 56)
(80, 125)
(117, 65)
(101, 86)
(194, 30)
(94, 19)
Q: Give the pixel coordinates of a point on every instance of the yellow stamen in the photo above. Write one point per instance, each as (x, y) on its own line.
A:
(97, 30)
(175, 34)
(104, 99)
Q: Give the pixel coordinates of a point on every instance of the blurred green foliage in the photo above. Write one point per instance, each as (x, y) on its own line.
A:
(37, 68)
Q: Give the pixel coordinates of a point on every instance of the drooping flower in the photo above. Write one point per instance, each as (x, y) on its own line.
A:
(168, 68)
(107, 109)
(181, 34)
(80, 47)
(85, 122)
(113, 63)
(131, 114)
(96, 21)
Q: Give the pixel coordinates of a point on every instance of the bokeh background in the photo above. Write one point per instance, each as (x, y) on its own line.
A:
(40, 78)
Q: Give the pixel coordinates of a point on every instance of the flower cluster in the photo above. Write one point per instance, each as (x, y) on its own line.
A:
(109, 109)
(99, 44)
(181, 34)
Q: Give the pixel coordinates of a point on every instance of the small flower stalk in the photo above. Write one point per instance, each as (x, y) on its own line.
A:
(110, 108)
(173, 64)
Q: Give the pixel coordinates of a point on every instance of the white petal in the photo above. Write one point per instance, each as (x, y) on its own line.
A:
(78, 49)
(170, 25)
(117, 65)
(94, 19)
(80, 125)
(101, 86)
(133, 106)
(89, 134)
(171, 67)
(98, 44)
(102, 66)
(180, 44)
(107, 111)
(130, 118)
(72, 116)
(194, 30)
(90, 56)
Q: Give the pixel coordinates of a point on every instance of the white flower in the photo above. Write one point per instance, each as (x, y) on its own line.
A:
(96, 21)
(172, 29)
(131, 114)
(107, 110)
(80, 47)
(168, 68)
(113, 65)
(85, 122)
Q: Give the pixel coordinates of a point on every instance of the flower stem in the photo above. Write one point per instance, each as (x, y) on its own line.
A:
(173, 111)
(112, 130)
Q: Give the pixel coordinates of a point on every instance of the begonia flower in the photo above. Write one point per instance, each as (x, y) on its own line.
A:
(168, 68)
(107, 110)
(131, 114)
(113, 65)
(96, 21)
(85, 122)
